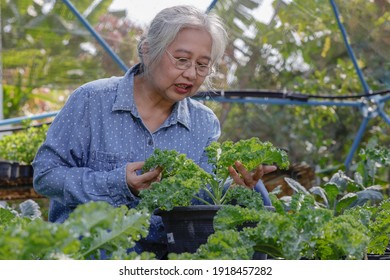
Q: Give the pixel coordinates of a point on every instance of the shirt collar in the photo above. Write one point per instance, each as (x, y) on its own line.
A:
(125, 100)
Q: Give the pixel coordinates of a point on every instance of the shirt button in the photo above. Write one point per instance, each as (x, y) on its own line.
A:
(150, 142)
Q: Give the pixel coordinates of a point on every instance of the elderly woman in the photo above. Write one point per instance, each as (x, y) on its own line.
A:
(97, 144)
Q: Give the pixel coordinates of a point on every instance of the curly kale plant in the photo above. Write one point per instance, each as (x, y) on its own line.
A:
(305, 232)
(91, 228)
(183, 180)
(22, 146)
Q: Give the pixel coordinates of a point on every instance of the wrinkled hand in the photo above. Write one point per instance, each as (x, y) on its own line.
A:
(246, 178)
(137, 182)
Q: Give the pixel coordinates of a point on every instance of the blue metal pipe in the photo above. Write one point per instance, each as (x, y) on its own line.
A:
(34, 117)
(277, 101)
(98, 38)
(384, 98)
(384, 116)
(349, 48)
(356, 142)
(211, 6)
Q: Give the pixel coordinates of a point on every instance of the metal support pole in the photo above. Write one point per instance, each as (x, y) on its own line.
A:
(356, 142)
(100, 40)
(349, 48)
(280, 101)
(34, 117)
(211, 6)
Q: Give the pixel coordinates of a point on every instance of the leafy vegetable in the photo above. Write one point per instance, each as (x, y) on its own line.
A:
(23, 145)
(371, 159)
(92, 229)
(340, 193)
(307, 232)
(377, 219)
(184, 182)
(222, 245)
(250, 152)
(103, 227)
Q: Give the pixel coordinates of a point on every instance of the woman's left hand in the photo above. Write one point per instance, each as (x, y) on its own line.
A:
(247, 178)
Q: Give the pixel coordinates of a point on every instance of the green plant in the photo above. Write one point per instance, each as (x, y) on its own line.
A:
(184, 182)
(342, 219)
(22, 146)
(371, 159)
(340, 193)
(306, 231)
(91, 229)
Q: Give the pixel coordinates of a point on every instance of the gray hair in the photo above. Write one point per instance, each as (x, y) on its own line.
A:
(166, 25)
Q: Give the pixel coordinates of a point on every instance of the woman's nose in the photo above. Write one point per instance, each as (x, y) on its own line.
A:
(190, 73)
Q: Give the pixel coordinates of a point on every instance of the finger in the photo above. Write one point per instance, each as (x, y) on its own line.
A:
(134, 166)
(258, 174)
(159, 176)
(236, 178)
(269, 168)
(247, 176)
(150, 176)
(240, 167)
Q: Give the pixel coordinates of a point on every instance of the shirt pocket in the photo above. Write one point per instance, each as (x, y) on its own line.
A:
(106, 161)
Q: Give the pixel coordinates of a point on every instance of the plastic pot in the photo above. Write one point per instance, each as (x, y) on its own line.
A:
(189, 227)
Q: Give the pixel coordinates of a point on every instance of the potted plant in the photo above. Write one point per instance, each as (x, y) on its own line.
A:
(185, 185)
(21, 147)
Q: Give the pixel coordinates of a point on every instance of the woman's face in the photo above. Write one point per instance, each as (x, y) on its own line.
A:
(174, 84)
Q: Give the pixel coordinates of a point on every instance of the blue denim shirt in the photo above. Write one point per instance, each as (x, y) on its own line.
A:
(99, 131)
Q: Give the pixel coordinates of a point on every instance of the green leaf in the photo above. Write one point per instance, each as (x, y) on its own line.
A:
(30, 209)
(345, 202)
(37, 239)
(321, 193)
(230, 217)
(379, 228)
(344, 237)
(221, 245)
(332, 191)
(344, 183)
(275, 235)
(245, 197)
(296, 186)
(102, 226)
(90, 227)
(368, 195)
(6, 215)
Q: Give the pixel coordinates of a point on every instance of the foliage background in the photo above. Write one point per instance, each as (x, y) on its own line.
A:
(47, 53)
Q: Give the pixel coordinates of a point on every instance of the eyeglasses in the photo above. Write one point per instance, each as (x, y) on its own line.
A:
(182, 63)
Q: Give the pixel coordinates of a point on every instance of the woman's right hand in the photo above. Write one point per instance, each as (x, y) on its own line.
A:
(137, 182)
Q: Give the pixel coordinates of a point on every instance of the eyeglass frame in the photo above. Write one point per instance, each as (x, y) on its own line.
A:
(189, 63)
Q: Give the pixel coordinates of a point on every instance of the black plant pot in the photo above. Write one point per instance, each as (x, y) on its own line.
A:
(15, 170)
(189, 227)
(25, 171)
(9, 169)
(5, 169)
